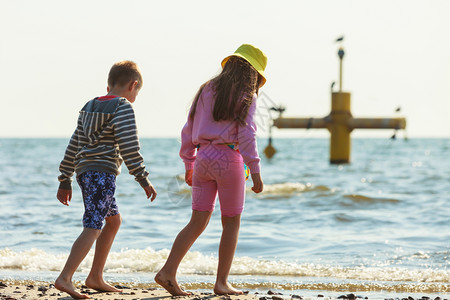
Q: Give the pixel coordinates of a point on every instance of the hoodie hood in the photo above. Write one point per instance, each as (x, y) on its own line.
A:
(95, 116)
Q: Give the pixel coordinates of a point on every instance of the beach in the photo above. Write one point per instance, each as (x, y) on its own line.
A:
(375, 228)
(44, 290)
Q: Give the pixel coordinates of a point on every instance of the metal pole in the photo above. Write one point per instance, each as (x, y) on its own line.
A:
(341, 56)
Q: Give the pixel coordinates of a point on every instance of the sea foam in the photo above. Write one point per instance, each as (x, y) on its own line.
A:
(195, 263)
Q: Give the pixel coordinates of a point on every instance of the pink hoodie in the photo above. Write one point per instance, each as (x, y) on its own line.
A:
(203, 130)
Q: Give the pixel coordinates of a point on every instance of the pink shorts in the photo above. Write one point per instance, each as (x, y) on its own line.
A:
(218, 169)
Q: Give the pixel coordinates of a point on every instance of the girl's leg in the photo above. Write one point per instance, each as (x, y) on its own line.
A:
(183, 242)
(231, 189)
(227, 249)
(102, 248)
(79, 251)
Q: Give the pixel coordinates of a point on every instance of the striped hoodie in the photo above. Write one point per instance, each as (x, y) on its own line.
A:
(105, 136)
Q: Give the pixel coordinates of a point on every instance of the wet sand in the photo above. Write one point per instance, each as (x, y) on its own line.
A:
(48, 291)
(44, 290)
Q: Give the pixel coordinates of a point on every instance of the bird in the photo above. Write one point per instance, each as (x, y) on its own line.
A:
(279, 109)
(398, 109)
(340, 39)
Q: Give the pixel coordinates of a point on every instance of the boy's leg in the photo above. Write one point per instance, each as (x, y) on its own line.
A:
(102, 248)
(227, 249)
(98, 190)
(183, 242)
(79, 251)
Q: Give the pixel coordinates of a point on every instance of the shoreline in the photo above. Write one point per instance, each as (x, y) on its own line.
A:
(48, 291)
(29, 289)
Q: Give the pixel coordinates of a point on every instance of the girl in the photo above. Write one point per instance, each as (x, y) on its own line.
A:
(220, 121)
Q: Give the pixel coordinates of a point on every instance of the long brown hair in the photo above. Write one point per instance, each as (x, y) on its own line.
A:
(233, 88)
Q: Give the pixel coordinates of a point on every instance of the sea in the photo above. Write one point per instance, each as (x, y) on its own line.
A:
(378, 227)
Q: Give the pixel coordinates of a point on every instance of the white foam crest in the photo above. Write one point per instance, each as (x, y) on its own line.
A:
(150, 261)
(31, 260)
(247, 265)
(285, 188)
(289, 188)
(276, 189)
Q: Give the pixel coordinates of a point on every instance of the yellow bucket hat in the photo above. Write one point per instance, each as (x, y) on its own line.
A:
(254, 56)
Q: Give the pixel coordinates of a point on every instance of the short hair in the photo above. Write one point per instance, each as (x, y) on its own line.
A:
(123, 72)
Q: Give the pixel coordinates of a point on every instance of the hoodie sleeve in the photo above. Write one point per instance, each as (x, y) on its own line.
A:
(67, 167)
(125, 132)
(188, 150)
(247, 140)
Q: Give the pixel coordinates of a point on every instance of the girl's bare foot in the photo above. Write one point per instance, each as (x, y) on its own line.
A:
(170, 284)
(226, 289)
(100, 285)
(67, 287)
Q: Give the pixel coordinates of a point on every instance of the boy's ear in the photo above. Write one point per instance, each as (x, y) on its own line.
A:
(133, 85)
(107, 89)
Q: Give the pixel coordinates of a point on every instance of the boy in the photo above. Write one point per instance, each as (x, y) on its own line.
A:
(106, 136)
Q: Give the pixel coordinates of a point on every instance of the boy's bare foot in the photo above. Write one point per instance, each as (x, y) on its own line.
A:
(226, 289)
(100, 285)
(67, 287)
(170, 284)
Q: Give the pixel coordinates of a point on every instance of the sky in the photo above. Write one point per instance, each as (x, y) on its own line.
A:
(55, 56)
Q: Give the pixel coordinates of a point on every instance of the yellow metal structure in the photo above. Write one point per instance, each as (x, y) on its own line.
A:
(269, 151)
(340, 123)
(338, 127)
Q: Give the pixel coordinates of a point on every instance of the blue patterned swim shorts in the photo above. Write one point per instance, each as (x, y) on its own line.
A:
(98, 196)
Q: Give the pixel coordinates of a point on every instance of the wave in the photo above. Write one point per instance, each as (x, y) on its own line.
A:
(334, 286)
(289, 188)
(276, 190)
(369, 200)
(149, 260)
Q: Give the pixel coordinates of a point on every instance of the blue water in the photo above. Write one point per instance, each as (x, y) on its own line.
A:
(381, 222)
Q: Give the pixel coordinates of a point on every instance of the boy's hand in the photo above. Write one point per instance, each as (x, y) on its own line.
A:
(188, 177)
(150, 192)
(64, 196)
(258, 184)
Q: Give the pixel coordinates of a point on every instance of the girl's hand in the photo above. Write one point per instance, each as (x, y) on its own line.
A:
(258, 184)
(188, 177)
(64, 196)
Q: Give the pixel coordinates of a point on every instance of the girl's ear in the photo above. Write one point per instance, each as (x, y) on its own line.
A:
(107, 89)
